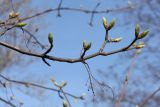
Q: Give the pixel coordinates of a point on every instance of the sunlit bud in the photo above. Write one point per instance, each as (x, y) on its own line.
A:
(104, 22)
(140, 45)
(84, 45)
(50, 38)
(21, 24)
(116, 40)
(143, 34)
(13, 15)
(111, 25)
(65, 103)
(137, 29)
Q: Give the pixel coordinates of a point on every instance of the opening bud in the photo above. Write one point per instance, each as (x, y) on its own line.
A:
(143, 34)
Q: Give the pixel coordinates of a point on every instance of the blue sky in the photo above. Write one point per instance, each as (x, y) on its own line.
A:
(69, 32)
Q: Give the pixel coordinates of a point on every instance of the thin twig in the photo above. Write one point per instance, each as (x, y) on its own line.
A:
(7, 102)
(36, 85)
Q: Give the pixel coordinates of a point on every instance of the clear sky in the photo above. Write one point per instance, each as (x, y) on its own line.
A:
(69, 32)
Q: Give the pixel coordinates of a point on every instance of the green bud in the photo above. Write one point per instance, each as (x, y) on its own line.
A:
(143, 34)
(137, 29)
(111, 25)
(50, 38)
(65, 103)
(104, 22)
(21, 24)
(84, 44)
(140, 45)
(89, 46)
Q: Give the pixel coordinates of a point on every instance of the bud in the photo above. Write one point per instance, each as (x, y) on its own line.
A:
(104, 22)
(143, 34)
(13, 15)
(137, 29)
(89, 46)
(64, 83)
(84, 44)
(65, 103)
(50, 38)
(55, 83)
(116, 40)
(21, 24)
(111, 25)
(140, 45)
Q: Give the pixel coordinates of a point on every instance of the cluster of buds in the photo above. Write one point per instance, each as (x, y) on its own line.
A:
(86, 46)
(105, 24)
(138, 34)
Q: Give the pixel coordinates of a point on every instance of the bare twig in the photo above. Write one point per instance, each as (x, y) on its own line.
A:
(143, 103)
(37, 85)
(7, 102)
